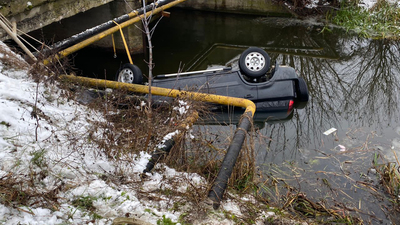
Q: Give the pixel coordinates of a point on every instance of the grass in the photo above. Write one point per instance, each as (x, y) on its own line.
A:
(84, 202)
(39, 158)
(5, 124)
(381, 21)
(389, 177)
(165, 221)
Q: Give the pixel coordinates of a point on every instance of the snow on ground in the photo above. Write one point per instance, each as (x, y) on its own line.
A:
(362, 3)
(370, 3)
(56, 146)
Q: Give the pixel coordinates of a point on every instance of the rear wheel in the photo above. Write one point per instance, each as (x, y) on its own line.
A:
(129, 73)
(254, 62)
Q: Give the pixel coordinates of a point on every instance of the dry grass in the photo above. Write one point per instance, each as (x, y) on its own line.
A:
(389, 177)
(10, 61)
(17, 191)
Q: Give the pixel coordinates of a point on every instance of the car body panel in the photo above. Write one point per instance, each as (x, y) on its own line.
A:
(271, 95)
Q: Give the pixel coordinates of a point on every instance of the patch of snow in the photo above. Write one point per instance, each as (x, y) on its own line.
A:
(312, 4)
(182, 108)
(141, 162)
(232, 207)
(367, 4)
(166, 138)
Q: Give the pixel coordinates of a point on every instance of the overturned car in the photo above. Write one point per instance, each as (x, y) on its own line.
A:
(271, 88)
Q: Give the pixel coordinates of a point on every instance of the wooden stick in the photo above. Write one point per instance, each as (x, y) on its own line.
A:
(15, 38)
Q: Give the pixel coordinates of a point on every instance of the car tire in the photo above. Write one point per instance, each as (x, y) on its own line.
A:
(254, 62)
(129, 73)
(302, 93)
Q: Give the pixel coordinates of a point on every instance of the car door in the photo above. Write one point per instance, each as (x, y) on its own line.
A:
(230, 84)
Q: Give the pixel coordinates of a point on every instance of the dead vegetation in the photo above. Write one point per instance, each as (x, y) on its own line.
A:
(10, 61)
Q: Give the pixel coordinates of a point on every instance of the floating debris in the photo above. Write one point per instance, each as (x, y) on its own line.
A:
(330, 131)
(341, 148)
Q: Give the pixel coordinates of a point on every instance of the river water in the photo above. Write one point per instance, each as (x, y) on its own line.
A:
(354, 88)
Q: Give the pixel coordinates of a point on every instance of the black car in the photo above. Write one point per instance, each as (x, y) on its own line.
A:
(271, 88)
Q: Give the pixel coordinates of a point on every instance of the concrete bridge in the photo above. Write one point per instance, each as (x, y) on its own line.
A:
(30, 15)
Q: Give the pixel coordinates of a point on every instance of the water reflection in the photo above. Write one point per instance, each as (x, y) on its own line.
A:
(356, 93)
(354, 87)
(361, 89)
(375, 84)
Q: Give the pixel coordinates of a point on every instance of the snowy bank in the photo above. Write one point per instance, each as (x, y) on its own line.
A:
(49, 166)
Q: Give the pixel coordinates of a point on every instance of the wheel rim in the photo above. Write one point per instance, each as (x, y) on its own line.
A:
(255, 61)
(126, 76)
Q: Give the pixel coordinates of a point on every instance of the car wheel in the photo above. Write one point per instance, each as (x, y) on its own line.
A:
(254, 62)
(302, 93)
(129, 73)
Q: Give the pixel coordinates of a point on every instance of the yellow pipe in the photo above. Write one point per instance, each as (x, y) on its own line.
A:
(112, 30)
(235, 146)
(125, 44)
(218, 99)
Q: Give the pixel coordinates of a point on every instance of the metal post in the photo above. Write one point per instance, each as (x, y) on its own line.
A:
(15, 38)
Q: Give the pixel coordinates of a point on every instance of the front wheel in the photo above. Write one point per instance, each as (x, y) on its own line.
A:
(129, 73)
(254, 62)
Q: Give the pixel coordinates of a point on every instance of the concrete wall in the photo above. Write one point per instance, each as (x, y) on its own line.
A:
(254, 7)
(34, 14)
(133, 34)
(31, 15)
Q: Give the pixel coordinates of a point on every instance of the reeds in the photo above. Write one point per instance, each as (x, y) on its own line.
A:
(389, 178)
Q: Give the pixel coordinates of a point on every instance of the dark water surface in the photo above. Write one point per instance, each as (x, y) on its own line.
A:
(353, 84)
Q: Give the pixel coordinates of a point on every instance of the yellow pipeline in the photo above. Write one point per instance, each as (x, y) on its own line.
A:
(218, 99)
(112, 30)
